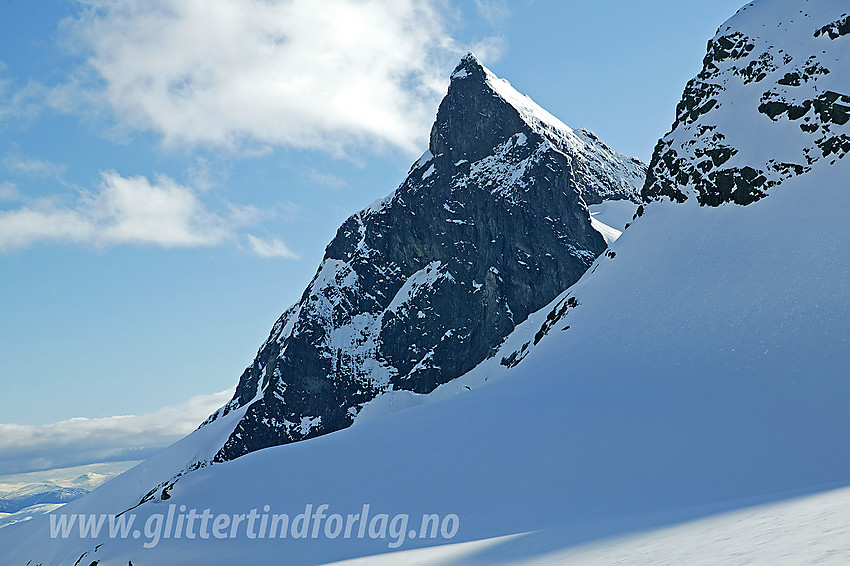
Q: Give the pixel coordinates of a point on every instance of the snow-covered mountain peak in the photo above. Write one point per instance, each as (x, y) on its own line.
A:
(490, 224)
(771, 83)
(470, 69)
(483, 116)
(469, 65)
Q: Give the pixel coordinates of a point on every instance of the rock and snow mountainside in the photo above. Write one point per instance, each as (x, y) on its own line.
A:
(490, 225)
(788, 83)
(698, 366)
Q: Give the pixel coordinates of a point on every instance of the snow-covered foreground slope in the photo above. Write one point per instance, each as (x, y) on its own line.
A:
(805, 530)
(704, 366)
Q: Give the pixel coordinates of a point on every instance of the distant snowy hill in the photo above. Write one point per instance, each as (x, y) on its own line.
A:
(699, 366)
(46, 492)
(23, 501)
(30, 494)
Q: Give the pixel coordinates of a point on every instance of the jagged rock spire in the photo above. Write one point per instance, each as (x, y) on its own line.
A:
(472, 118)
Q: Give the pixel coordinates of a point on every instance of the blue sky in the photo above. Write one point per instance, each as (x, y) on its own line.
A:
(171, 171)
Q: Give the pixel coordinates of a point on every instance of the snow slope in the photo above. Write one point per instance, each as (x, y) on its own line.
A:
(805, 530)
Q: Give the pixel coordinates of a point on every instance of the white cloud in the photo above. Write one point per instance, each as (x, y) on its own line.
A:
(135, 211)
(494, 11)
(270, 247)
(125, 210)
(9, 191)
(20, 102)
(82, 441)
(327, 180)
(32, 167)
(247, 214)
(329, 75)
(490, 48)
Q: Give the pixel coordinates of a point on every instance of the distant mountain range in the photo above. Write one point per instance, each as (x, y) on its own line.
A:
(44, 492)
(37, 494)
(37, 498)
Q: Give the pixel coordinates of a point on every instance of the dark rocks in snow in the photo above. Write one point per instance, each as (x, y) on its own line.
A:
(699, 153)
(835, 29)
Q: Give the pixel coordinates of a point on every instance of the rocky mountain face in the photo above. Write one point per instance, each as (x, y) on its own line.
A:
(772, 85)
(490, 225)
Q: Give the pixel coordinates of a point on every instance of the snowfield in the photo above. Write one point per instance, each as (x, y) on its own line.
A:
(806, 530)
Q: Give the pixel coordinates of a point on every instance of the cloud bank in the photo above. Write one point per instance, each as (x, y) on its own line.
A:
(124, 210)
(326, 75)
(337, 76)
(132, 211)
(80, 441)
